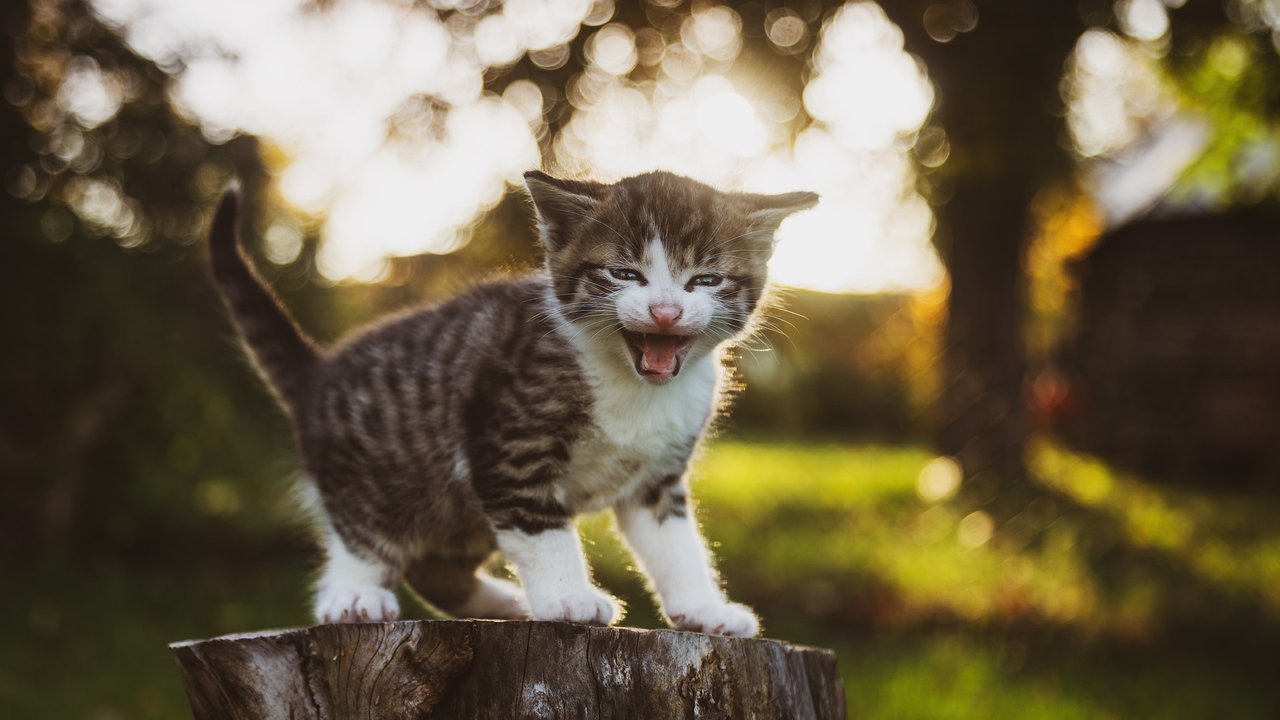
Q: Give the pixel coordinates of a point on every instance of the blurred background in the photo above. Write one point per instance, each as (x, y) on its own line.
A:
(1010, 443)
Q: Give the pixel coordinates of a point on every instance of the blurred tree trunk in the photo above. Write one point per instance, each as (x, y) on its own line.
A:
(998, 102)
(13, 130)
(17, 219)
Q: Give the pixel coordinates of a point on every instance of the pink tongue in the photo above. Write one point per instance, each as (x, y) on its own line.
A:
(659, 353)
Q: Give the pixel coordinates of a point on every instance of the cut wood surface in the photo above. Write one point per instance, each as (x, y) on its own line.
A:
(485, 669)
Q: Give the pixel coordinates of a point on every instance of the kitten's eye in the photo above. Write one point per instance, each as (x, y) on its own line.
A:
(706, 280)
(624, 274)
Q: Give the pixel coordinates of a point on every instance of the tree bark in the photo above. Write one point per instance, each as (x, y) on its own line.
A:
(485, 669)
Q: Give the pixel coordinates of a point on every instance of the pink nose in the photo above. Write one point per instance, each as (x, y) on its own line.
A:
(665, 315)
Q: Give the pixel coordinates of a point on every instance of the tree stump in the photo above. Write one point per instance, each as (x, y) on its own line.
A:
(487, 669)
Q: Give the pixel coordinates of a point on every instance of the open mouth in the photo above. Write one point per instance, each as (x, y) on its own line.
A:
(657, 357)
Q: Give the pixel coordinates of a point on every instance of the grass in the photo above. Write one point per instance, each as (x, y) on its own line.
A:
(1111, 597)
(91, 640)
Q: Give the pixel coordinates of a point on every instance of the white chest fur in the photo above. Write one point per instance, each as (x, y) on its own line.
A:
(639, 430)
(633, 413)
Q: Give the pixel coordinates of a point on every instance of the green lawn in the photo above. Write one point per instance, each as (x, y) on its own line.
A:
(1110, 597)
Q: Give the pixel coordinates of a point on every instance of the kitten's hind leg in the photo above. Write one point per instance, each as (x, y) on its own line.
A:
(457, 586)
(353, 588)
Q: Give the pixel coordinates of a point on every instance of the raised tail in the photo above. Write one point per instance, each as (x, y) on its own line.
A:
(284, 356)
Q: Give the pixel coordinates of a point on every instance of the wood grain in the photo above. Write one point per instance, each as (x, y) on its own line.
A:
(483, 669)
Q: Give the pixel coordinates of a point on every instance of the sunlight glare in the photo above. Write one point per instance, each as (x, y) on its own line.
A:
(867, 90)
(409, 199)
(713, 31)
(1143, 19)
(91, 96)
(1113, 92)
(340, 94)
(727, 120)
(613, 49)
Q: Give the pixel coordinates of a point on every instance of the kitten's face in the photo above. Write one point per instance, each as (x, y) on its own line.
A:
(657, 269)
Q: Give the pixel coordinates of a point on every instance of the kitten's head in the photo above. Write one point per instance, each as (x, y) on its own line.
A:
(658, 269)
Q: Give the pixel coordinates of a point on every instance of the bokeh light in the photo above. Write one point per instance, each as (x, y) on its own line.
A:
(386, 134)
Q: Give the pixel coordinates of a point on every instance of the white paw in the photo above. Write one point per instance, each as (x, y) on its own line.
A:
(497, 600)
(354, 604)
(722, 618)
(588, 606)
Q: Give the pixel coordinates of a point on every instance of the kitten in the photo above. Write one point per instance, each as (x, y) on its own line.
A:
(492, 420)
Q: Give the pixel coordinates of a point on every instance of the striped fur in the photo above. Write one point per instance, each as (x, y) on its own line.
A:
(283, 355)
(495, 418)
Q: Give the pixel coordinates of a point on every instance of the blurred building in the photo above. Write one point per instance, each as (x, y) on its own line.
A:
(1175, 365)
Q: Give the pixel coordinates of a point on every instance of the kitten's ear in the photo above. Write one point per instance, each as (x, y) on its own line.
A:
(766, 212)
(560, 204)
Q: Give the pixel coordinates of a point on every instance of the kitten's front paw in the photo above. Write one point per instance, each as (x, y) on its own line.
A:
(723, 618)
(362, 603)
(586, 607)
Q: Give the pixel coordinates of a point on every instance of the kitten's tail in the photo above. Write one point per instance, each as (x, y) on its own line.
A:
(284, 356)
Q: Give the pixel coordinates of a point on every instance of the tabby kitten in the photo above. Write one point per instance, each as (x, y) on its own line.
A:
(492, 420)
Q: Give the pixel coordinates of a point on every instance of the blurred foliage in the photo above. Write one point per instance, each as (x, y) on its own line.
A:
(841, 366)
(112, 432)
(1229, 74)
(121, 398)
(1068, 225)
(143, 173)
